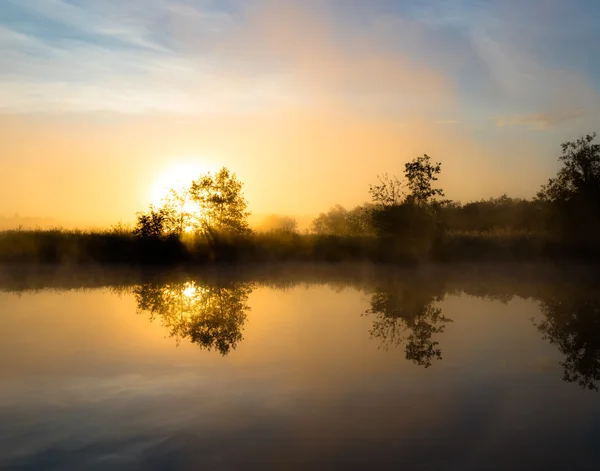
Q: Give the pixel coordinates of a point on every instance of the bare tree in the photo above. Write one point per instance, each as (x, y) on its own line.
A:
(388, 192)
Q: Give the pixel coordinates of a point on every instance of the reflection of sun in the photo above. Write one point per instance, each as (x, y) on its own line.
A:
(176, 177)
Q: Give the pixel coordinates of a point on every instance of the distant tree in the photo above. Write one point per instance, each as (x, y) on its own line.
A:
(360, 220)
(333, 222)
(420, 174)
(388, 192)
(500, 214)
(276, 223)
(409, 221)
(339, 221)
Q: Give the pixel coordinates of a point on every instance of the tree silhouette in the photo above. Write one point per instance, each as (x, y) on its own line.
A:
(572, 322)
(580, 174)
(211, 315)
(575, 191)
(279, 224)
(408, 224)
(222, 207)
(388, 192)
(152, 224)
(420, 174)
(339, 221)
(498, 214)
(408, 315)
(182, 213)
(213, 205)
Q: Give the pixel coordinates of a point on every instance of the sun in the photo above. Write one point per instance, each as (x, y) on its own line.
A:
(177, 176)
(189, 289)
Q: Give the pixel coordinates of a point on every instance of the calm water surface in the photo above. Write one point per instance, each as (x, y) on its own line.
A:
(304, 368)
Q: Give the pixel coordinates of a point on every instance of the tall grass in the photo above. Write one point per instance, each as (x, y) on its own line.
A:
(120, 246)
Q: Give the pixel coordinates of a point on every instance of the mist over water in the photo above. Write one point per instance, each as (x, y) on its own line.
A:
(300, 367)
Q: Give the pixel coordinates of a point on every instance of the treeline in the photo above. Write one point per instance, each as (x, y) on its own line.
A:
(494, 215)
(562, 220)
(408, 220)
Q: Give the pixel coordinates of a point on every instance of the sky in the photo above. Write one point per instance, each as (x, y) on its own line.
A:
(104, 102)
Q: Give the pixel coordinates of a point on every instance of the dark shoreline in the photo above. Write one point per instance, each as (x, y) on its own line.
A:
(84, 248)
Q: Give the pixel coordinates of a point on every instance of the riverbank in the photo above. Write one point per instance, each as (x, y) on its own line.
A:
(81, 247)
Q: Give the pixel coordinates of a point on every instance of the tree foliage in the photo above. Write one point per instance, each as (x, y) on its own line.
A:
(213, 204)
(181, 213)
(221, 204)
(279, 224)
(574, 193)
(499, 214)
(152, 224)
(388, 192)
(410, 218)
(339, 221)
(420, 174)
(579, 176)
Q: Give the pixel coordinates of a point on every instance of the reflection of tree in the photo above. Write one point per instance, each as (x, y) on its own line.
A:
(572, 322)
(409, 316)
(209, 315)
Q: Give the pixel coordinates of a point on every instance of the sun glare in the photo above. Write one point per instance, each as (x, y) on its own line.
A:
(189, 290)
(177, 177)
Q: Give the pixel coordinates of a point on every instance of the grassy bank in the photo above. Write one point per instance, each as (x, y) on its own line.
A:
(80, 247)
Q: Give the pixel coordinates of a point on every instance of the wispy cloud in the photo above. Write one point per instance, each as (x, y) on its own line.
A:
(544, 120)
(378, 57)
(103, 56)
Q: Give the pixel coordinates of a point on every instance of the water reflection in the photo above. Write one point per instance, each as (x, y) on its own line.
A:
(406, 308)
(88, 384)
(406, 312)
(572, 323)
(210, 315)
(213, 315)
(408, 315)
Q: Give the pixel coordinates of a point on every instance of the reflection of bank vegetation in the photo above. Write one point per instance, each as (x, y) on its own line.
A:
(211, 316)
(406, 310)
(404, 305)
(407, 315)
(572, 323)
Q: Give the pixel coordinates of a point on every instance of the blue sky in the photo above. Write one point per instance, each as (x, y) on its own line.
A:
(510, 58)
